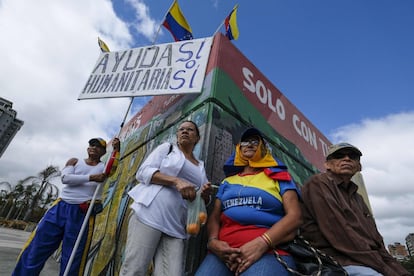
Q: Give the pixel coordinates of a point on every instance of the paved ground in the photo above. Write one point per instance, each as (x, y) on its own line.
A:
(11, 241)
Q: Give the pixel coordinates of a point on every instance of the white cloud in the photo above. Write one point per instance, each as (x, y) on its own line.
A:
(144, 24)
(48, 50)
(387, 162)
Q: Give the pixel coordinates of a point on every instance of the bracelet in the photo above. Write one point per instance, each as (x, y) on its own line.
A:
(267, 239)
(212, 238)
(209, 241)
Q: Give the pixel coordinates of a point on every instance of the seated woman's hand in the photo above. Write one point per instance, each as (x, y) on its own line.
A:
(229, 255)
(250, 252)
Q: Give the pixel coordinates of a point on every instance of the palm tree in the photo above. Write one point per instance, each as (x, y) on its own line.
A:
(51, 196)
(46, 188)
(25, 198)
(5, 189)
(6, 186)
(14, 197)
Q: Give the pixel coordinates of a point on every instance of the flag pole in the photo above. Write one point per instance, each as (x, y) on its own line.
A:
(222, 23)
(88, 213)
(153, 43)
(78, 239)
(159, 28)
(219, 27)
(91, 204)
(90, 207)
(156, 34)
(125, 116)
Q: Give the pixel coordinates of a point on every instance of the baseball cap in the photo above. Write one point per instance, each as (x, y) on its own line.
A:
(251, 132)
(334, 148)
(98, 141)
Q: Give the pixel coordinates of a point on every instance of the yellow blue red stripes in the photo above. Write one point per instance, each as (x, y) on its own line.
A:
(176, 23)
(232, 30)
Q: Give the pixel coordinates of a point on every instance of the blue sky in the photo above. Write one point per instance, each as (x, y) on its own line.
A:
(348, 65)
(318, 53)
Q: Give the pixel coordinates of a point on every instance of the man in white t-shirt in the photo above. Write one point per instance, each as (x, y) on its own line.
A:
(63, 221)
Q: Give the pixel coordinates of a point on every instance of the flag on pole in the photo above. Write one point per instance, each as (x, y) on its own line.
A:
(232, 31)
(112, 163)
(176, 23)
(103, 46)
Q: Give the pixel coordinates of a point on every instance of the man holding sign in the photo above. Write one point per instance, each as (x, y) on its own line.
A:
(63, 221)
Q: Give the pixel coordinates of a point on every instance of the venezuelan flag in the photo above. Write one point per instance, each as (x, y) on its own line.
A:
(232, 31)
(112, 163)
(103, 46)
(176, 23)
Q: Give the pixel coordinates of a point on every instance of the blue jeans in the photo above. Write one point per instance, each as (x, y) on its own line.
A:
(359, 270)
(267, 265)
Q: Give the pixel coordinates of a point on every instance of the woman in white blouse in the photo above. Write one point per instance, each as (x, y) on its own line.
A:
(169, 176)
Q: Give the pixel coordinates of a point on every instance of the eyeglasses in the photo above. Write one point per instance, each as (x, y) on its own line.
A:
(253, 142)
(339, 155)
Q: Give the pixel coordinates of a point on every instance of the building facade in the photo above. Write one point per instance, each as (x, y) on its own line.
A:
(398, 251)
(409, 241)
(9, 124)
(235, 95)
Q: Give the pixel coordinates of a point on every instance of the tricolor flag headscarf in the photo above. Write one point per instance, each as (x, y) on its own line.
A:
(263, 158)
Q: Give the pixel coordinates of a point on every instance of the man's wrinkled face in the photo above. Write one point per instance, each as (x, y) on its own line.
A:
(343, 162)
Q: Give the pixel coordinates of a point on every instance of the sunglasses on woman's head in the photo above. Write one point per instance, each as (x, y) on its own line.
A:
(252, 141)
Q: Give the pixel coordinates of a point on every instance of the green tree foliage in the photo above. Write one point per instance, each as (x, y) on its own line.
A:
(47, 191)
(16, 200)
(5, 189)
(30, 197)
(409, 265)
